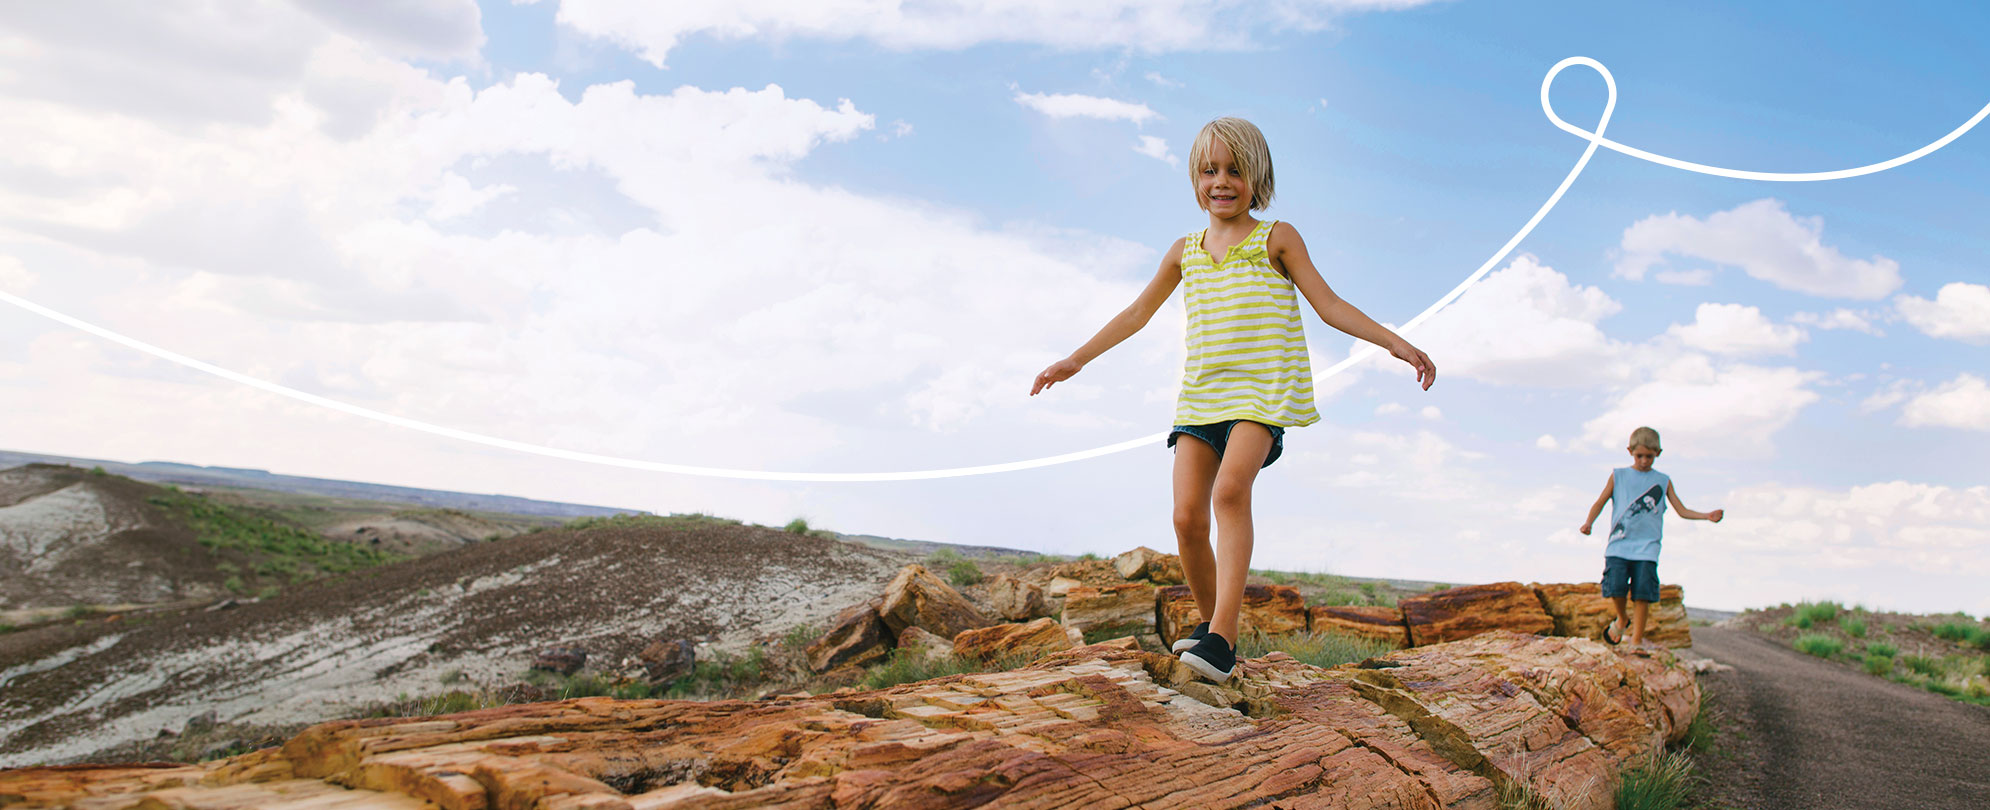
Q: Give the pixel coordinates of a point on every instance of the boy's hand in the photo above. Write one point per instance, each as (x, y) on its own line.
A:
(1057, 373)
(1715, 515)
(1585, 528)
(1426, 371)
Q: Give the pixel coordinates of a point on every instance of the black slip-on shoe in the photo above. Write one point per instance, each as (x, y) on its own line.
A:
(1185, 642)
(1212, 658)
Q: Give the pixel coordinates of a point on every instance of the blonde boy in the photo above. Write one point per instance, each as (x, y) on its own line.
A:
(1630, 561)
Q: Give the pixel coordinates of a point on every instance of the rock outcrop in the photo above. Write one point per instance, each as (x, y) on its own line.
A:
(1150, 565)
(1379, 623)
(857, 636)
(1473, 609)
(1027, 642)
(1016, 600)
(1269, 609)
(1580, 610)
(1098, 726)
(917, 598)
(1118, 610)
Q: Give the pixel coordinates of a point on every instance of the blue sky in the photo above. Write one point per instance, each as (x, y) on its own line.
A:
(744, 235)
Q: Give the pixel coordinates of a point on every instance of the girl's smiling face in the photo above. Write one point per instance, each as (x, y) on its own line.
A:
(1221, 188)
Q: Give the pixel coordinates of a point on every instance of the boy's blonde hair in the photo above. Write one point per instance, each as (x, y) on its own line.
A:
(1247, 148)
(1646, 438)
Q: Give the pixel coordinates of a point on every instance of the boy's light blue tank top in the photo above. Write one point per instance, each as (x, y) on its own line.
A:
(1637, 512)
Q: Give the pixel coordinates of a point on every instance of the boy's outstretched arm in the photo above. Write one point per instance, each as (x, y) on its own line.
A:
(1681, 510)
(1609, 486)
(1288, 253)
(1123, 325)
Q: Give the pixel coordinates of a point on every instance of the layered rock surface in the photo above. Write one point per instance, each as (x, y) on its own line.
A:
(1096, 727)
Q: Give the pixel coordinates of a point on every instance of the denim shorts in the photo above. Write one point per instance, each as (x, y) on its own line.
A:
(1639, 578)
(1217, 436)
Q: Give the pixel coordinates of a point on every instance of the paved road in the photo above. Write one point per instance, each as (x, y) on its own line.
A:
(1820, 736)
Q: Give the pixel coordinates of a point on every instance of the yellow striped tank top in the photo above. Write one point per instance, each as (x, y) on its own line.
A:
(1246, 346)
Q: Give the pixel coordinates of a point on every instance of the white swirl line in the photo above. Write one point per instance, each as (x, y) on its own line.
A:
(1595, 139)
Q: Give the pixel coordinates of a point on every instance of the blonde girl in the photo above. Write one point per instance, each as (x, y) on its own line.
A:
(1247, 378)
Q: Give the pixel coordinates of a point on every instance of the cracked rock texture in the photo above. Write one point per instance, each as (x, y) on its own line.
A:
(1096, 727)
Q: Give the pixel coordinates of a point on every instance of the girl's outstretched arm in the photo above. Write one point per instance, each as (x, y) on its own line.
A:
(1123, 325)
(1288, 253)
(1680, 508)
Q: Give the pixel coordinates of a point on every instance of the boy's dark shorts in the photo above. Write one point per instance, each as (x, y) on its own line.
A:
(1639, 578)
(1217, 436)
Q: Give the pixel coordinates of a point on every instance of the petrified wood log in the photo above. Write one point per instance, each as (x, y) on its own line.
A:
(917, 598)
(1363, 621)
(1473, 609)
(1581, 610)
(1268, 609)
(1095, 727)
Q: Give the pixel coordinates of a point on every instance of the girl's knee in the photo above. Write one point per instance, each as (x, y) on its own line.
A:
(1231, 495)
(1191, 525)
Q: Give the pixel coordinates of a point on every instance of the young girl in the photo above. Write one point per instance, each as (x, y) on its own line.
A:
(1247, 378)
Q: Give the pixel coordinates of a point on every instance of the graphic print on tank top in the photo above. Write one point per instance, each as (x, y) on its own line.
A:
(1648, 508)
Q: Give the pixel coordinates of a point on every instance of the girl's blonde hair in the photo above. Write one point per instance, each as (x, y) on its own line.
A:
(1646, 438)
(1247, 148)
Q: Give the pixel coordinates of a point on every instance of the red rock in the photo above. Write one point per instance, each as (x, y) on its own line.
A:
(1025, 642)
(1016, 600)
(857, 636)
(1119, 610)
(1268, 609)
(1375, 622)
(668, 659)
(562, 660)
(1473, 609)
(1580, 610)
(917, 598)
(1088, 727)
(1147, 564)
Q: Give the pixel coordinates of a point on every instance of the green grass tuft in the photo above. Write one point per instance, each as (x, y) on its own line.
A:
(1809, 613)
(963, 573)
(1318, 649)
(1922, 665)
(907, 666)
(1879, 664)
(1663, 784)
(1856, 628)
(1822, 646)
(1881, 648)
(796, 526)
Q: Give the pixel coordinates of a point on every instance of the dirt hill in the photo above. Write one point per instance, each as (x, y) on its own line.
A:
(477, 613)
(68, 537)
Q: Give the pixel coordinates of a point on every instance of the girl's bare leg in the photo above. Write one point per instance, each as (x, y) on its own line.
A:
(1195, 474)
(1249, 443)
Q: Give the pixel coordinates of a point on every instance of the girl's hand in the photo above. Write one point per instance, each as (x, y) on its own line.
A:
(1426, 371)
(1057, 373)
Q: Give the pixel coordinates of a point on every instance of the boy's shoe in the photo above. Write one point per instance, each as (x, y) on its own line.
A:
(1212, 658)
(1185, 642)
(1613, 634)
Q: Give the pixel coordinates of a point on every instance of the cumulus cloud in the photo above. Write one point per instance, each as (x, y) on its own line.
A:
(1075, 105)
(1960, 311)
(1838, 319)
(1736, 330)
(1765, 241)
(1924, 527)
(1526, 324)
(652, 30)
(1962, 403)
(1157, 149)
(1728, 411)
(443, 29)
(1157, 78)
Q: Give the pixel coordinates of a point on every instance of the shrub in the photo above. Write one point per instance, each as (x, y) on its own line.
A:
(1817, 644)
(1957, 631)
(1879, 664)
(1318, 649)
(797, 526)
(1088, 556)
(1663, 784)
(799, 636)
(1855, 627)
(1881, 648)
(906, 666)
(945, 555)
(233, 584)
(1338, 597)
(6, 628)
(963, 573)
(1921, 665)
(1809, 613)
(1700, 733)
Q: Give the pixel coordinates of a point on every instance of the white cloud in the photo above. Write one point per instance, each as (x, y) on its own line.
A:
(1893, 394)
(1526, 324)
(1685, 278)
(1157, 78)
(1074, 105)
(1764, 240)
(426, 28)
(652, 30)
(1389, 409)
(1923, 527)
(14, 276)
(1157, 149)
(1736, 330)
(455, 197)
(1839, 319)
(1431, 413)
(1963, 402)
(1547, 442)
(1732, 411)
(1960, 311)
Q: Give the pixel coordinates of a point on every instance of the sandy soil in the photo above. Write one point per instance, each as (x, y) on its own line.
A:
(71, 689)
